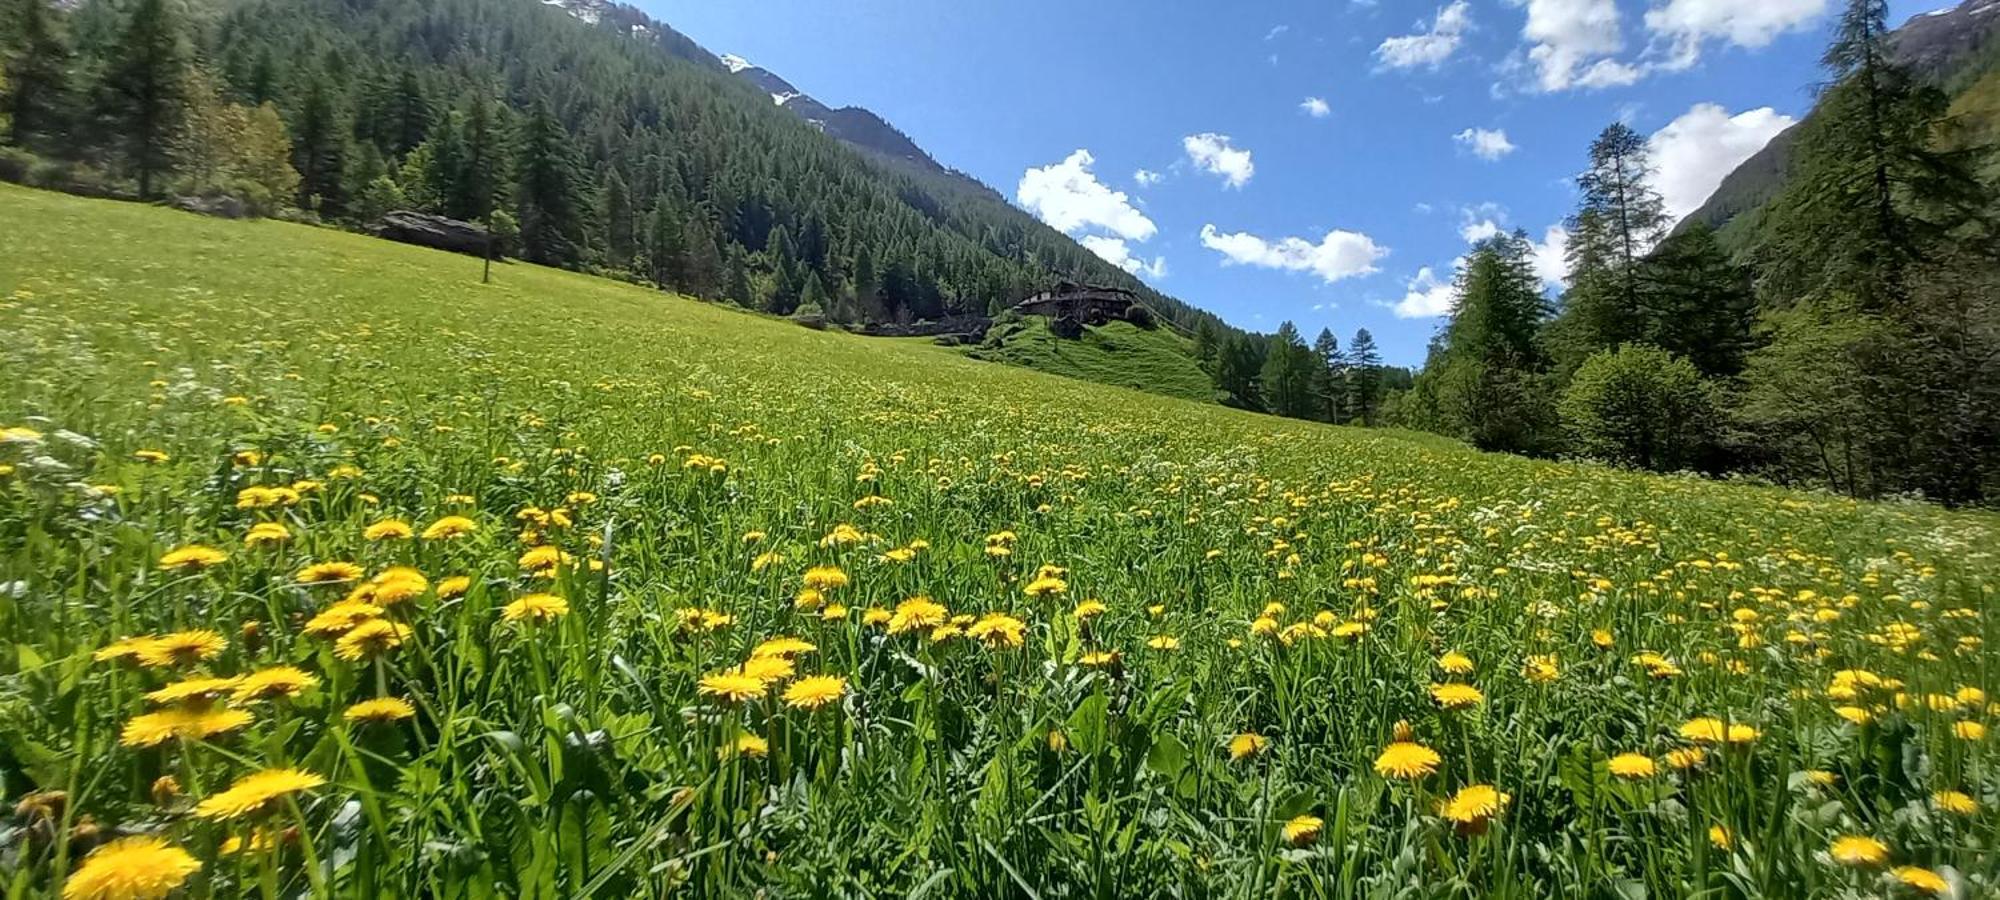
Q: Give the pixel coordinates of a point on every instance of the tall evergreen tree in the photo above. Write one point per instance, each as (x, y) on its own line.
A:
(551, 205)
(620, 242)
(1242, 361)
(1286, 378)
(1618, 220)
(1484, 383)
(35, 67)
(1364, 377)
(319, 151)
(141, 95)
(1329, 382)
(1699, 303)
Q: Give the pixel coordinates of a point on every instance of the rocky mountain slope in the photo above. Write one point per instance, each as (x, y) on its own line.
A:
(1955, 48)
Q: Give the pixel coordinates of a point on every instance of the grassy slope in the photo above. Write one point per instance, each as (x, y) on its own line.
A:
(1119, 354)
(132, 324)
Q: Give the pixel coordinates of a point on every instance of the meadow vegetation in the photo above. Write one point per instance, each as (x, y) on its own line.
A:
(325, 568)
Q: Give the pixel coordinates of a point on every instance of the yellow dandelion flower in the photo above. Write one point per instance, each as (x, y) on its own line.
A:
(256, 792)
(156, 728)
(815, 691)
(151, 457)
(329, 573)
(1407, 759)
(1541, 669)
(749, 745)
(1473, 806)
(825, 578)
(1858, 851)
(455, 586)
(201, 689)
(387, 530)
(181, 648)
(449, 527)
(191, 558)
(1632, 766)
(133, 868)
(1455, 663)
(397, 584)
(535, 609)
(265, 534)
(1247, 745)
(1302, 831)
(1046, 586)
(1100, 659)
(783, 646)
(768, 669)
(1088, 609)
(998, 630)
(369, 639)
(543, 559)
(732, 686)
(380, 709)
(341, 618)
(1969, 731)
(917, 613)
(272, 683)
(1164, 642)
(1921, 880)
(1721, 837)
(1957, 803)
(123, 648)
(1456, 696)
(1685, 758)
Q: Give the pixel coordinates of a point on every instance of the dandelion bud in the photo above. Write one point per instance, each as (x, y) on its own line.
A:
(166, 789)
(253, 636)
(1404, 732)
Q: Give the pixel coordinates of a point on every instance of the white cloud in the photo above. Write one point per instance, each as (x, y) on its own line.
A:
(1485, 144)
(1571, 40)
(1147, 178)
(1212, 153)
(1432, 44)
(1341, 254)
(1550, 262)
(1316, 107)
(1693, 153)
(1474, 232)
(1690, 23)
(1116, 252)
(1427, 297)
(1275, 31)
(1068, 196)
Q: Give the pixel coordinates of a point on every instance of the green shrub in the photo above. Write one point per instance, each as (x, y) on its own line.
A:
(1640, 406)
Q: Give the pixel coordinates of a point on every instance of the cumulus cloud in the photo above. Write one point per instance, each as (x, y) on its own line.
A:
(1687, 24)
(1316, 107)
(1212, 153)
(1068, 196)
(1693, 153)
(1476, 231)
(1426, 297)
(1572, 40)
(1341, 254)
(1432, 44)
(1485, 144)
(1147, 178)
(1118, 253)
(1550, 264)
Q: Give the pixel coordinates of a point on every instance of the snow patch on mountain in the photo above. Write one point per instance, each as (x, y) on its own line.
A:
(731, 61)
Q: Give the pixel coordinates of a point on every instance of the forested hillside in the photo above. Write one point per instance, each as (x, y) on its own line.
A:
(606, 143)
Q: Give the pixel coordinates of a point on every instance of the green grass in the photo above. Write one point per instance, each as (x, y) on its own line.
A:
(687, 473)
(1118, 353)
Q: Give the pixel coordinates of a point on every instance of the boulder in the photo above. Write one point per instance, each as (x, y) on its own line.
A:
(435, 232)
(221, 206)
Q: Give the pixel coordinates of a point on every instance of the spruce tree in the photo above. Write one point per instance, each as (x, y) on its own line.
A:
(319, 151)
(1329, 376)
(1700, 304)
(36, 70)
(550, 202)
(1286, 378)
(141, 95)
(1484, 384)
(619, 224)
(1364, 377)
(1619, 218)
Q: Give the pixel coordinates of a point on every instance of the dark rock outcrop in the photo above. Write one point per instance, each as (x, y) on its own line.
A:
(221, 206)
(964, 329)
(1072, 306)
(435, 232)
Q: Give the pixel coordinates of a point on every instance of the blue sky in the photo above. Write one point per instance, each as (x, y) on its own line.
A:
(1439, 121)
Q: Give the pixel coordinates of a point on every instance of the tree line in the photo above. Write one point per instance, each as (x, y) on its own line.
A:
(1851, 341)
(599, 149)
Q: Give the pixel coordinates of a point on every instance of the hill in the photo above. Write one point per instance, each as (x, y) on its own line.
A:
(1116, 353)
(566, 587)
(1957, 49)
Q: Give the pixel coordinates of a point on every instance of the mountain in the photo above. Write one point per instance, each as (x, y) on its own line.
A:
(852, 125)
(1958, 49)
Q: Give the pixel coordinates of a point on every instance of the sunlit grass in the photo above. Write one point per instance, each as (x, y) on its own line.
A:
(333, 570)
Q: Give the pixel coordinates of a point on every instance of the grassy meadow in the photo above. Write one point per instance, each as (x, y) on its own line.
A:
(326, 570)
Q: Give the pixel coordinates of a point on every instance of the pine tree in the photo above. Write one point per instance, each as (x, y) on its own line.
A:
(703, 264)
(1207, 346)
(736, 277)
(665, 251)
(1618, 220)
(319, 151)
(1286, 378)
(408, 120)
(1242, 361)
(1484, 384)
(141, 95)
(1364, 377)
(812, 297)
(1329, 376)
(619, 240)
(551, 208)
(36, 76)
(1699, 303)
